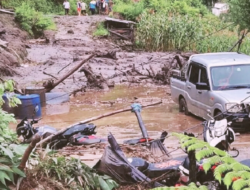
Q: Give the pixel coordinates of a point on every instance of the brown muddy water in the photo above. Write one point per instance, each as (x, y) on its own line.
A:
(124, 125)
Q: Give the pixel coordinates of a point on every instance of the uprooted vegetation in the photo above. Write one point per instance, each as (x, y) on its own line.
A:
(58, 172)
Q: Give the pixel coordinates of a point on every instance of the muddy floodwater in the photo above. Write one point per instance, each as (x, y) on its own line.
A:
(124, 125)
(158, 118)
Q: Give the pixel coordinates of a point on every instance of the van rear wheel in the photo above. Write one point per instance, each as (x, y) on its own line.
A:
(183, 106)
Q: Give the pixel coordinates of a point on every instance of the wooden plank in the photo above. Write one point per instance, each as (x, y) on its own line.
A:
(119, 20)
(123, 37)
(7, 12)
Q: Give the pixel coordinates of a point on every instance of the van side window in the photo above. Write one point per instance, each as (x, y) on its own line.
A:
(203, 77)
(194, 75)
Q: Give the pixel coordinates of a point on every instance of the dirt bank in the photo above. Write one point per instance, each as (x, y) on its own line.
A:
(12, 45)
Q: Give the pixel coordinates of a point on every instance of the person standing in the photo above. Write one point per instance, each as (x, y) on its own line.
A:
(83, 8)
(92, 6)
(79, 7)
(107, 6)
(98, 6)
(66, 7)
(103, 7)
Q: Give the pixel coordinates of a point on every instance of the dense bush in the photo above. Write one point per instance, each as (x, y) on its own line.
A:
(33, 21)
(167, 31)
(130, 9)
(45, 6)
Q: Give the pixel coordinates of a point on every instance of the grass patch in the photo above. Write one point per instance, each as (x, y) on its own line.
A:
(100, 30)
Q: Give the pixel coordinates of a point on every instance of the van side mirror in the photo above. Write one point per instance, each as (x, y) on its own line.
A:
(202, 86)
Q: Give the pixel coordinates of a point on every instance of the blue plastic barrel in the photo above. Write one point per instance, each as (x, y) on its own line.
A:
(27, 108)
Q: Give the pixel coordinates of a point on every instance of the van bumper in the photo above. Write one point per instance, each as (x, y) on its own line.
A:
(240, 121)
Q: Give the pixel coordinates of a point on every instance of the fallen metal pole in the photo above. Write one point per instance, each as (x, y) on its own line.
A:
(93, 119)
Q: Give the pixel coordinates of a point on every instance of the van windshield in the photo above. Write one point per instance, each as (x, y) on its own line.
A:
(230, 77)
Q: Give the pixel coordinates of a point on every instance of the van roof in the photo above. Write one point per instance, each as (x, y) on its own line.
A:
(220, 59)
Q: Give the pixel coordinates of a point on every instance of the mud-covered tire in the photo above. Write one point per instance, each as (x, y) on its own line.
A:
(183, 106)
(218, 115)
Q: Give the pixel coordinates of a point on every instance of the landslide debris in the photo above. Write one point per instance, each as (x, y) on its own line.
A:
(12, 45)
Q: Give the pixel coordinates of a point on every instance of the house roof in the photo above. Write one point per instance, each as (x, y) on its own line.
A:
(219, 5)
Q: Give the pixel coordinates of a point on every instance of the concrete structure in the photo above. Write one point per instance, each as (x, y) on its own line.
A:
(220, 8)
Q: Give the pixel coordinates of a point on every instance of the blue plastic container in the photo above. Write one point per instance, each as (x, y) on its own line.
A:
(27, 108)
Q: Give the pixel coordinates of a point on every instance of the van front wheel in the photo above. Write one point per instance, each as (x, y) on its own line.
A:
(183, 106)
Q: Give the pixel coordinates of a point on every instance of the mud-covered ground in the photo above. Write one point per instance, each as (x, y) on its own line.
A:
(68, 46)
(66, 49)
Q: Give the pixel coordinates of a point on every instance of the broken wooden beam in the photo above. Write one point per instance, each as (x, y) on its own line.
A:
(123, 37)
(50, 85)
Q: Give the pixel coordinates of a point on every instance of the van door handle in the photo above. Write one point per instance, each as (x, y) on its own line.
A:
(189, 87)
(199, 91)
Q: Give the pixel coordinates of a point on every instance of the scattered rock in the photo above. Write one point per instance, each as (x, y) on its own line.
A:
(70, 32)
(3, 43)
(130, 55)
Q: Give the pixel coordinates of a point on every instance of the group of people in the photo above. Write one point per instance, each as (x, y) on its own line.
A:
(81, 7)
(101, 6)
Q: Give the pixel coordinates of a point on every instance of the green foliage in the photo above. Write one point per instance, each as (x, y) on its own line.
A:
(131, 10)
(164, 31)
(31, 20)
(10, 153)
(226, 169)
(213, 161)
(239, 13)
(185, 25)
(45, 6)
(100, 30)
(73, 174)
(240, 184)
(189, 187)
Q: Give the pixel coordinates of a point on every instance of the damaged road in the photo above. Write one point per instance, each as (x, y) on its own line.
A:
(73, 42)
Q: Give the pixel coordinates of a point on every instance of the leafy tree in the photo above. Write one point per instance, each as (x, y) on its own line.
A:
(239, 13)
